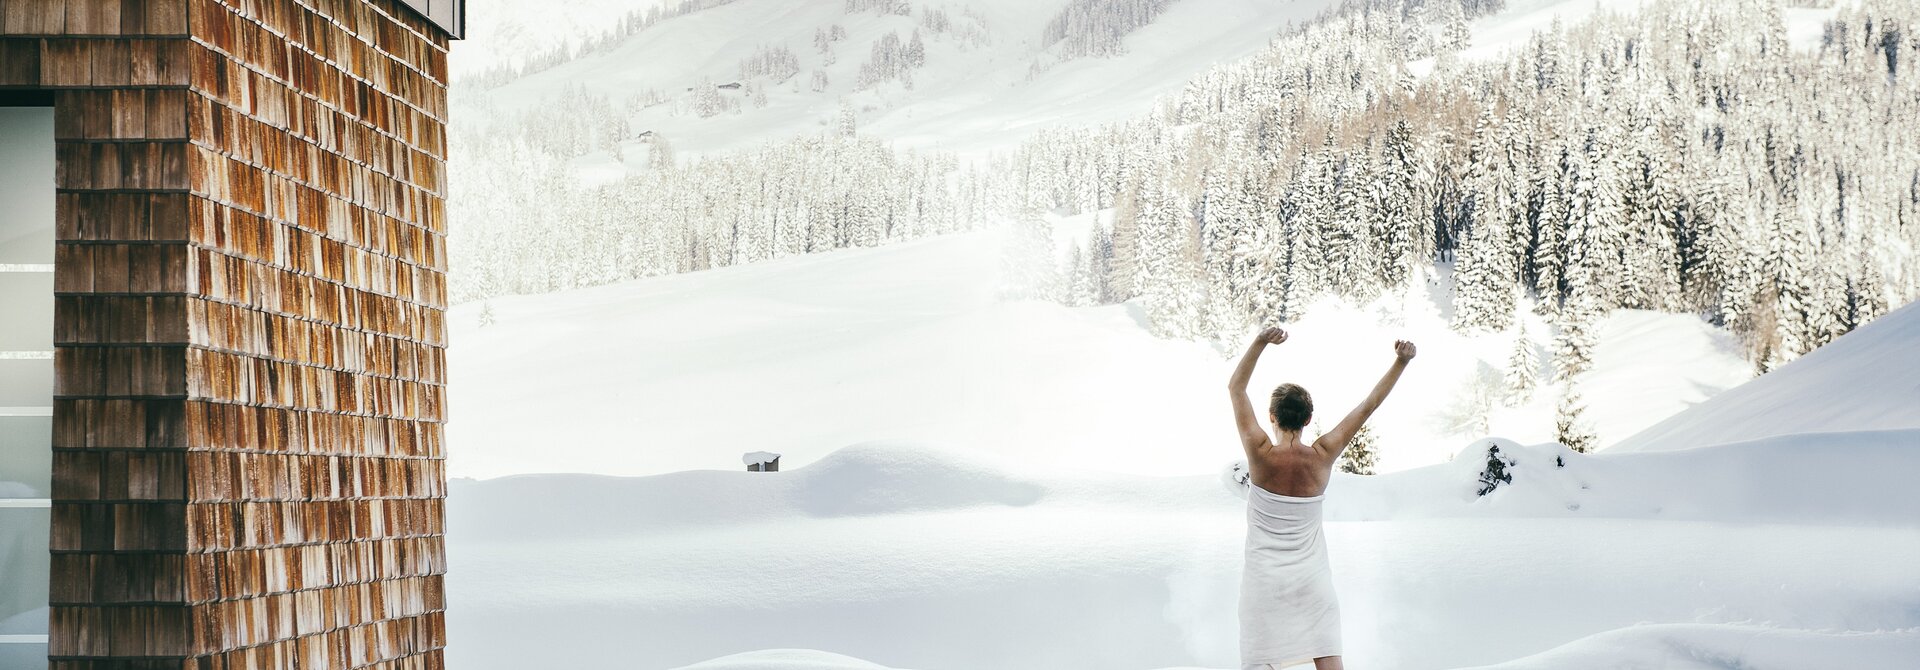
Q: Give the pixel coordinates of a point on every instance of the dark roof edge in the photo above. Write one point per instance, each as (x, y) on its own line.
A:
(448, 15)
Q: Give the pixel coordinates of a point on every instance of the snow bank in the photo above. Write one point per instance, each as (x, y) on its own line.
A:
(873, 478)
(1664, 646)
(785, 659)
(883, 478)
(1858, 478)
(1868, 379)
(1712, 647)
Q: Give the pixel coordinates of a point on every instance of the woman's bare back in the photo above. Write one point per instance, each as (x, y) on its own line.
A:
(1294, 468)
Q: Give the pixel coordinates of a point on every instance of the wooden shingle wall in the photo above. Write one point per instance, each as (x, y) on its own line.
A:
(250, 331)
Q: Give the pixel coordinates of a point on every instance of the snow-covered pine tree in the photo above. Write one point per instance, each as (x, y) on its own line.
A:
(1354, 258)
(1099, 266)
(1123, 244)
(1596, 221)
(1649, 274)
(1226, 229)
(848, 124)
(1080, 289)
(1401, 232)
(1305, 233)
(1568, 426)
(1361, 455)
(1171, 280)
(1798, 318)
(1573, 343)
(916, 51)
(1488, 265)
(1455, 34)
(1483, 274)
(1523, 369)
(1864, 296)
(1548, 253)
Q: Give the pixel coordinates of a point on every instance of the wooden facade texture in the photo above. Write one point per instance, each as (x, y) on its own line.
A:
(250, 291)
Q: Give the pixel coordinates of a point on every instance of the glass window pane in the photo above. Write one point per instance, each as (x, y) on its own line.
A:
(26, 324)
(24, 561)
(26, 379)
(23, 655)
(26, 383)
(26, 185)
(26, 457)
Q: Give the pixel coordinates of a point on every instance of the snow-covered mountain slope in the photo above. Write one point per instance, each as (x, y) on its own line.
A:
(988, 81)
(507, 32)
(807, 354)
(1866, 380)
(912, 557)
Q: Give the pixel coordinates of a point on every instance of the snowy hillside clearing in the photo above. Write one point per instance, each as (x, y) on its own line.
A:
(807, 354)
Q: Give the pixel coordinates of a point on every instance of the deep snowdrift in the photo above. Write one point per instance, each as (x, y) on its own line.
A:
(1820, 478)
(1868, 379)
(785, 659)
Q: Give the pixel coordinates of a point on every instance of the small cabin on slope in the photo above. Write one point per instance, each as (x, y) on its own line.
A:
(761, 461)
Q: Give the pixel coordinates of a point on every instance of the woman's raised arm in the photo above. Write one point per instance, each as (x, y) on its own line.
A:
(1251, 434)
(1336, 440)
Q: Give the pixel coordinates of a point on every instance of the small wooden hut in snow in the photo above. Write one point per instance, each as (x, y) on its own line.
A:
(761, 461)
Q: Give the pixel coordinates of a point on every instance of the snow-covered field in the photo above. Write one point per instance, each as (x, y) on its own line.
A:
(1732, 556)
(974, 483)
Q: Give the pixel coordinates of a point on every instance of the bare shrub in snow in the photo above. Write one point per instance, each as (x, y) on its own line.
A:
(1568, 427)
(1498, 471)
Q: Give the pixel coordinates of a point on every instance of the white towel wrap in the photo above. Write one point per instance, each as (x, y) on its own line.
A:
(1288, 613)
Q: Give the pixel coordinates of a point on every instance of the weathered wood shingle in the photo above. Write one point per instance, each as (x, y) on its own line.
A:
(250, 329)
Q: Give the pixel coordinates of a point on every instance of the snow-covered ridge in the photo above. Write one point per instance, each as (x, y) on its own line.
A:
(1868, 379)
